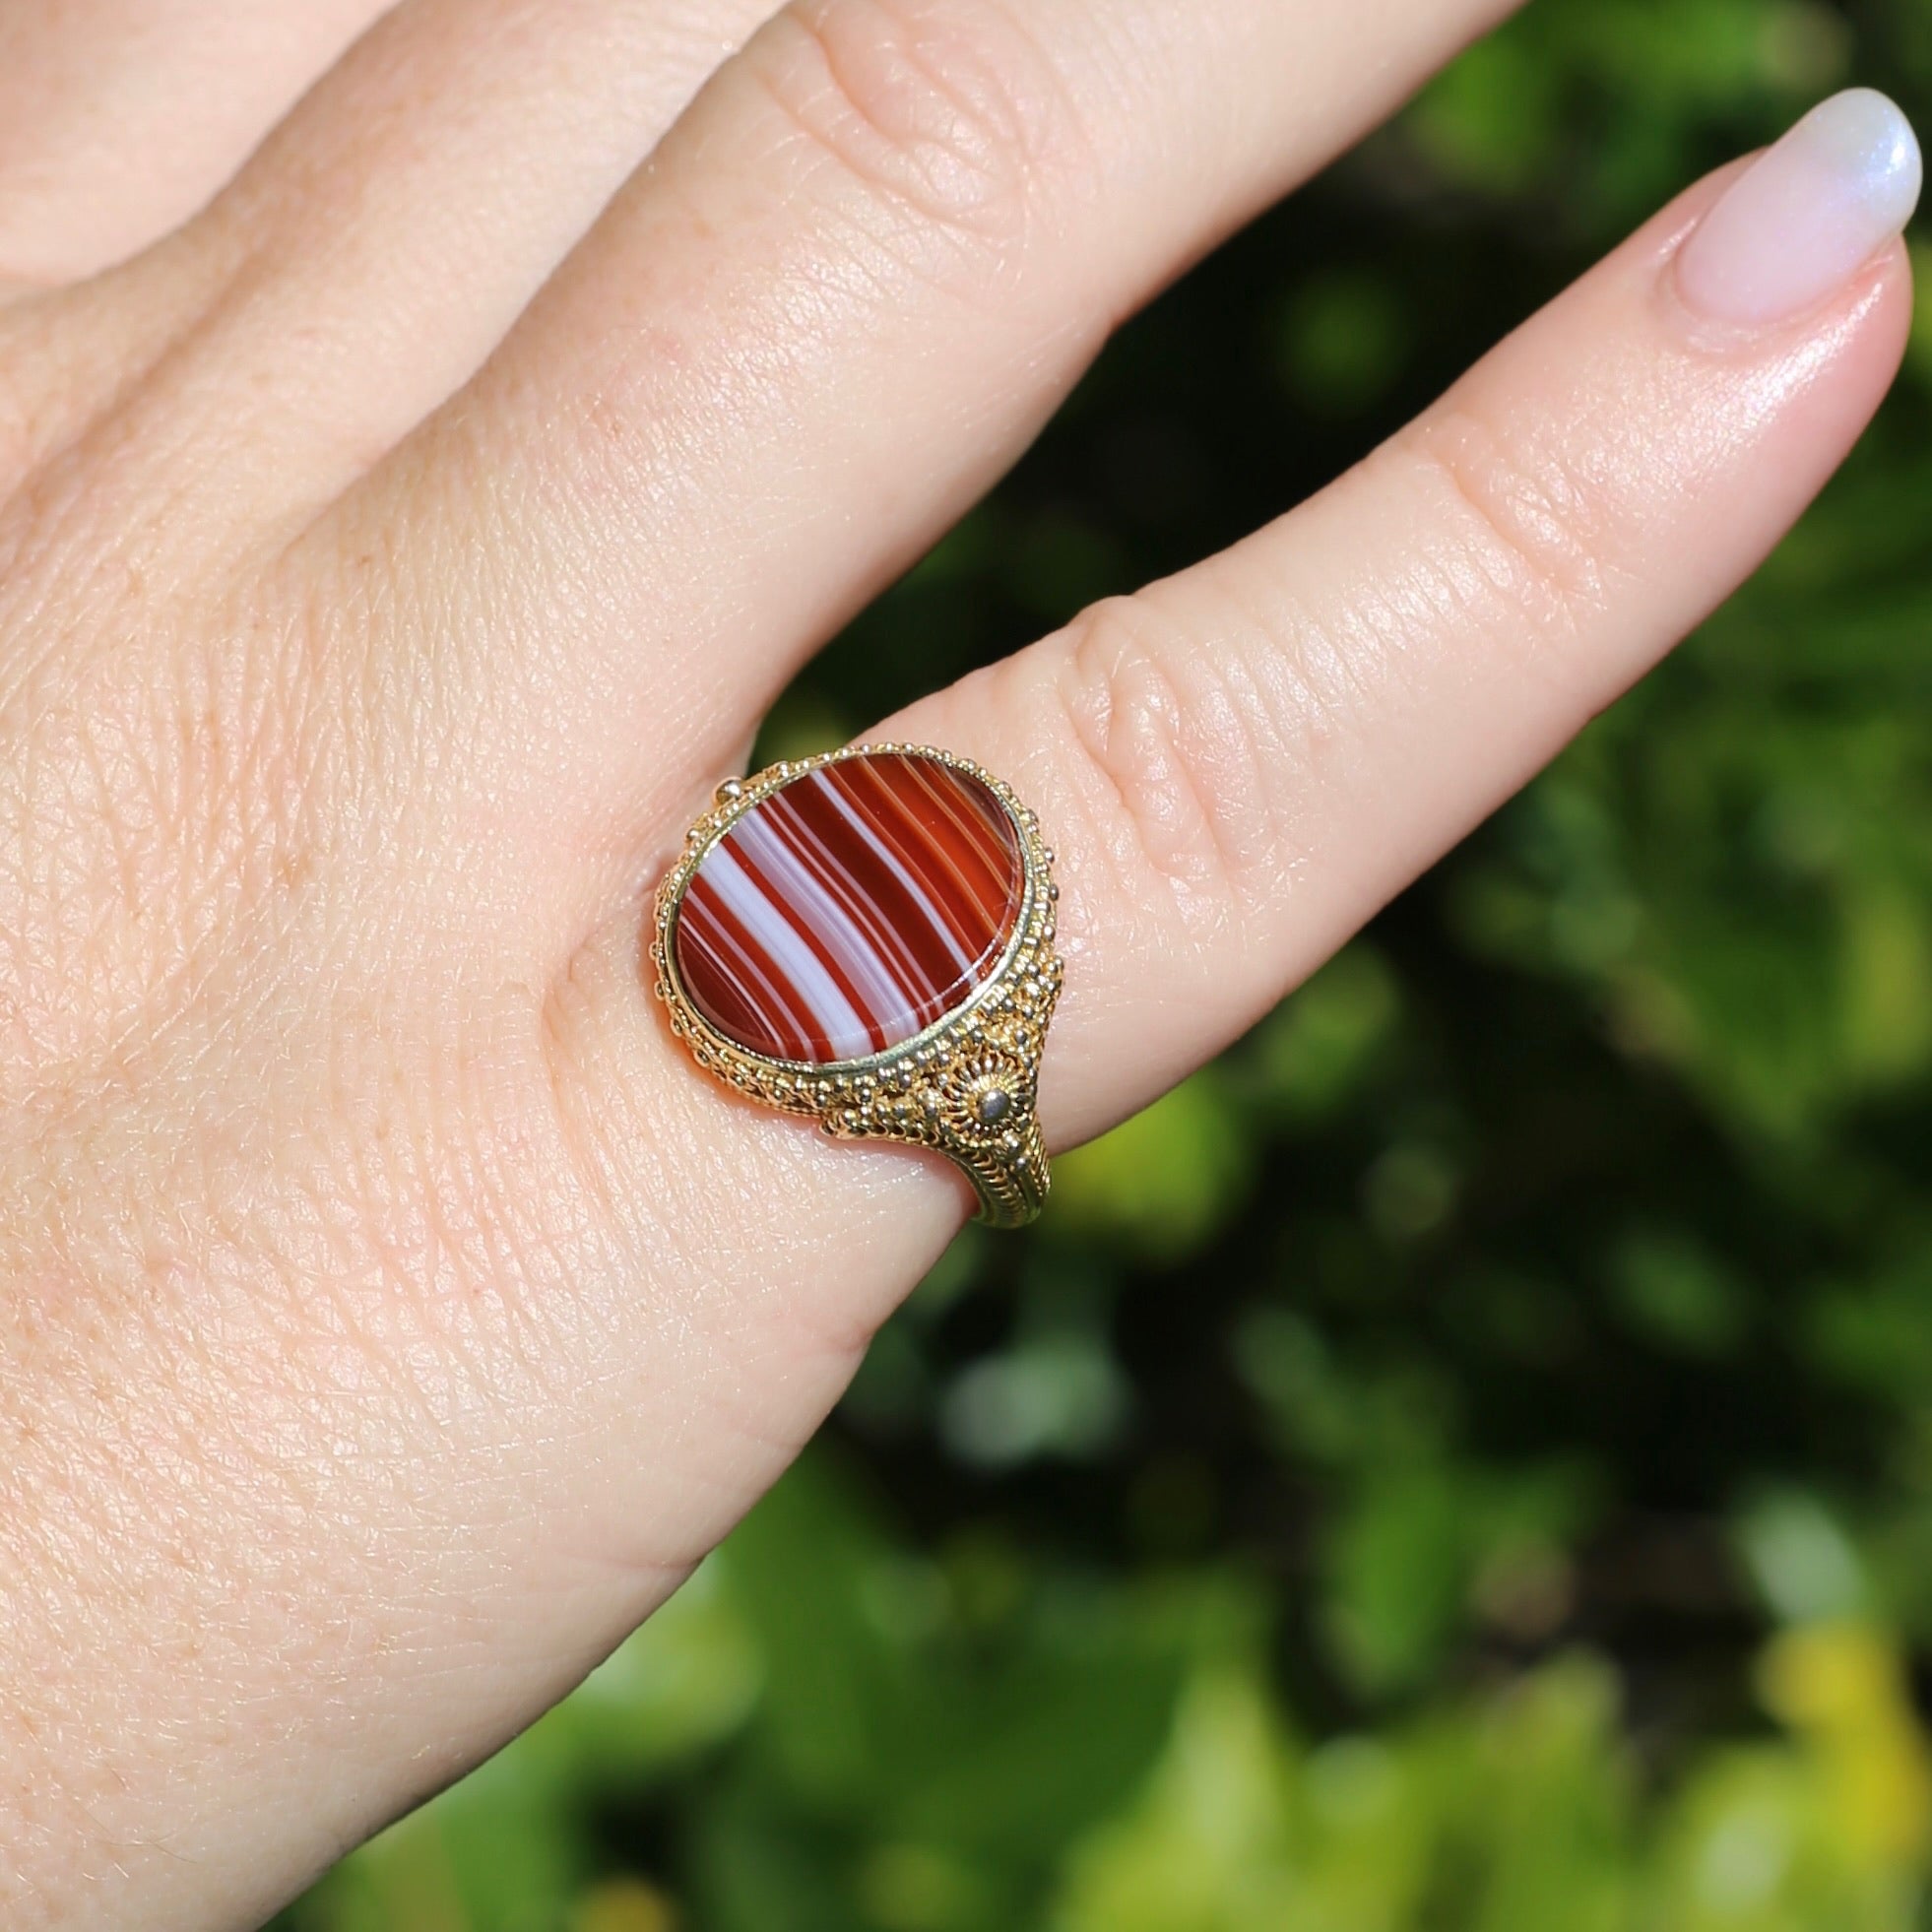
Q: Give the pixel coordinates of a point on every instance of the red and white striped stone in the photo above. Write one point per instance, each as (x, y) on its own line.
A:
(850, 909)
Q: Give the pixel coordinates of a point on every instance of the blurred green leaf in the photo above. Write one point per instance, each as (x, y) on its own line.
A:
(1165, 1181)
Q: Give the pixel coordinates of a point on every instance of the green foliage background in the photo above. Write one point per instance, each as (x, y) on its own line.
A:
(1464, 1461)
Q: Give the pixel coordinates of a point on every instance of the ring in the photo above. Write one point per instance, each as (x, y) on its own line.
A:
(868, 938)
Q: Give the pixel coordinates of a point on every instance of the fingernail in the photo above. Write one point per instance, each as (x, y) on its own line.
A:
(1807, 215)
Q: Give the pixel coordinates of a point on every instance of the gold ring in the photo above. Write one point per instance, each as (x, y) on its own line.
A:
(868, 938)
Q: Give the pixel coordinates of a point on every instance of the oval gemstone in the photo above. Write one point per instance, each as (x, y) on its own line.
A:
(850, 909)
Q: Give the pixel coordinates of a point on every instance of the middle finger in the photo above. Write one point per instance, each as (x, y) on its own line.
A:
(848, 289)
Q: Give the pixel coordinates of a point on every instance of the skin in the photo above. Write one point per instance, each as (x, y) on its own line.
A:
(395, 553)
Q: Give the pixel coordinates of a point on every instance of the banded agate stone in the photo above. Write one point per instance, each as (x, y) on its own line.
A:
(849, 910)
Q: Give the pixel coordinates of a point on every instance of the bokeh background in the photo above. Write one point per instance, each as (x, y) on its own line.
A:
(1463, 1463)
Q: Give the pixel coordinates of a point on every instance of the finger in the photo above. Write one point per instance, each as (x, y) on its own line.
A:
(382, 240)
(1239, 765)
(853, 281)
(1271, 746)
(119, 119)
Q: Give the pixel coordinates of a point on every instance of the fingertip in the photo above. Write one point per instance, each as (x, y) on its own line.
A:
(1796, 225)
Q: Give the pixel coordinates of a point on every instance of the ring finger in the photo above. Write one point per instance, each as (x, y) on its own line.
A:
(118, 118)
(369, 254)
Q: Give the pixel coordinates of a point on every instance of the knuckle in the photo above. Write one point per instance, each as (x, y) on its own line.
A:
(948, 116)
(1192, 735)
(1527, 531)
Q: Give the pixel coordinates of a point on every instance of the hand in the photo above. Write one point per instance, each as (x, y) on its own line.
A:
(396, 555)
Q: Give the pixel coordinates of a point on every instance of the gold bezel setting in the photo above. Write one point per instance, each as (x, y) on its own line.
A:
(966, 1086)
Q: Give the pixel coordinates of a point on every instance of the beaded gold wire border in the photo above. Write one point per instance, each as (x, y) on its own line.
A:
(967, 1085)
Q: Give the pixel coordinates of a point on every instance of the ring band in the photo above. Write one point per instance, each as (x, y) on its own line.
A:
(868, 938)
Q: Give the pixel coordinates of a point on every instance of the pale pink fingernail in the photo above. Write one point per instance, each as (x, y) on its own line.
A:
(1806, 215)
